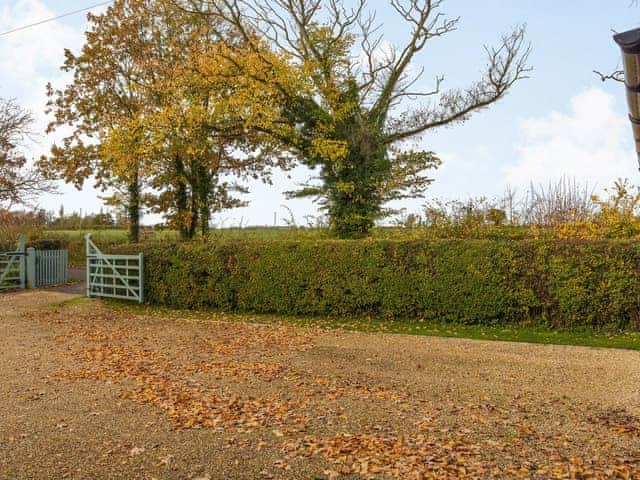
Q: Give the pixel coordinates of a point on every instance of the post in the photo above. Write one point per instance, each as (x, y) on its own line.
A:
(65, 263)
(22, 259)
(88, 257)
(141, 273)
(31, 267)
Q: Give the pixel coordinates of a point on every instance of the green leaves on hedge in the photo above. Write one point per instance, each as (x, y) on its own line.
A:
(555, 283)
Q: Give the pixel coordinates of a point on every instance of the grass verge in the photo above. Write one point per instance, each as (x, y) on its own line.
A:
(512, 333)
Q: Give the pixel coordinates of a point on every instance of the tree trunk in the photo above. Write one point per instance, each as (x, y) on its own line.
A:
(181, 199)
(205, 218)
(193, 224)
(134, 208)
(354, 200)
(204, 185)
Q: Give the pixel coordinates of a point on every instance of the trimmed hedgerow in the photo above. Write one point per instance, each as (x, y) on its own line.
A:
(556, 283)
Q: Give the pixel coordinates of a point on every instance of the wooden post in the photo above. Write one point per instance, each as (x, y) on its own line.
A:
(22, 260)
(31, 267)
(141, 273)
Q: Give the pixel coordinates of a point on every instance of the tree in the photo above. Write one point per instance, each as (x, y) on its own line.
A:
(102, 104)
(143, 118)
(197, 138)
(19, 185)
(352, 115)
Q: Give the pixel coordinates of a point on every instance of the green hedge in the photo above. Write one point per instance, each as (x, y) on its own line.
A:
(559, 284)
(38, 244)
(75, 242)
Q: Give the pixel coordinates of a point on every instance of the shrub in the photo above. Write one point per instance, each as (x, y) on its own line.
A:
(555, 283)
(47, 244)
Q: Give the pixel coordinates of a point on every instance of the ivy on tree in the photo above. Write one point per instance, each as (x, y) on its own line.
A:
(348, 115)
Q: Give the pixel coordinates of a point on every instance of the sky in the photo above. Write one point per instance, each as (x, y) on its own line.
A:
(562, 122)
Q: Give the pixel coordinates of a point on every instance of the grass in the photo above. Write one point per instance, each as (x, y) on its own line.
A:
(299, 233)
(512, 333)
(112, 234)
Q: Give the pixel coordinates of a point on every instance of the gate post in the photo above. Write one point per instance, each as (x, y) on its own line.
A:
(22, 259)
(141, 273)
(31, 267)
(88, 256)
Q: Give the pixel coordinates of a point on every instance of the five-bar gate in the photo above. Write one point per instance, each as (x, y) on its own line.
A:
(114, 276)
(12, 267)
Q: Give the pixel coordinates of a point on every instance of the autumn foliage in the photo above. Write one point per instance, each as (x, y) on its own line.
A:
(173, 104)
(157, 116)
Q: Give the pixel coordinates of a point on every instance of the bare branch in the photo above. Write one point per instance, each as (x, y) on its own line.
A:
(617, 76)
(18, 184)
(506, 65)
(427, 23)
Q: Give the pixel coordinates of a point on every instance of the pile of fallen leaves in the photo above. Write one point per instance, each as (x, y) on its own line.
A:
(621, 422)
(114, 354)
(418, 456)
(241, 377)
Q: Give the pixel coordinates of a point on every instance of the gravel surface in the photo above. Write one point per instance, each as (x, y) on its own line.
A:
(91, 393)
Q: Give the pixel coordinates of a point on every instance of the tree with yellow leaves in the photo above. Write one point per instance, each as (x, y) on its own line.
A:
(347, 106)
(147, 119)
(103, 105)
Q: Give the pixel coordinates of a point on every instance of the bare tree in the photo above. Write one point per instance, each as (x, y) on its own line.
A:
(364, 99)
(562, 202)
(18, 183)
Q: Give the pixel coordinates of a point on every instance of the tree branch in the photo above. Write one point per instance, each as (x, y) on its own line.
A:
(617, 76)
(506, 65)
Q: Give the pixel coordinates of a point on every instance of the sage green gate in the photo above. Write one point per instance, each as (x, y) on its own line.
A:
(114, 276)
(46, 267)
(12, 267)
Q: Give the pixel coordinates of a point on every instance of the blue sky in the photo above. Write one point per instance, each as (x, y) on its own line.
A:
(562, 121)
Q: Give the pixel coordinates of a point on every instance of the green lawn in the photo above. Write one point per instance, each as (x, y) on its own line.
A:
(528, 334)
(296, 233)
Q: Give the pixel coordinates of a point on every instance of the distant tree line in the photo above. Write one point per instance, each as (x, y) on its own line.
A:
(41, 218)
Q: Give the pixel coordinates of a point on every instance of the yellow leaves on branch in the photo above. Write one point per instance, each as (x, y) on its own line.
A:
(124, 146)
(329, 150)
(250, 82)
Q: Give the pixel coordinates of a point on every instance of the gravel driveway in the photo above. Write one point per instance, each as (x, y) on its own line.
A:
(87, 392)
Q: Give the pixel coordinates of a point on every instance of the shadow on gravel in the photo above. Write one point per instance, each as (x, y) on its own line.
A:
(71, 288)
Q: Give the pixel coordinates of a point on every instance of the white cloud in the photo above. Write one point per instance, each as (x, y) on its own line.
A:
(592, 143)
(29, 59)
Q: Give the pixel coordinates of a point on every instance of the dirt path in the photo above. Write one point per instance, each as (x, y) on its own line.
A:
(90, 393)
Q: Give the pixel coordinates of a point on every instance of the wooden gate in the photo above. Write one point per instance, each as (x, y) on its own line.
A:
(114, 276)
(12, 267)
